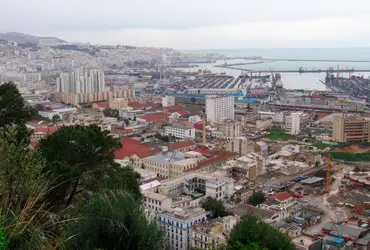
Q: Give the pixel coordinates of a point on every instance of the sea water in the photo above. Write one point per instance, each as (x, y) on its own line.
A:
(294, 80)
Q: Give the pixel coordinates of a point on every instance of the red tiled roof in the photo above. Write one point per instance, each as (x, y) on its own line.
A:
(183, 112)
(47, 130)
(203, 150)
(212, 160)
(175, 107)
(282, 196)
(102, 104)
(122, 130)
(318, 97)
(33, 144)
(198, 125)
(132, 147)
(181, 144)
(155, 117)
(322, 114)
(35, 123)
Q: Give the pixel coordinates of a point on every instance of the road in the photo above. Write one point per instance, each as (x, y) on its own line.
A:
(306, 172)
(331, 213)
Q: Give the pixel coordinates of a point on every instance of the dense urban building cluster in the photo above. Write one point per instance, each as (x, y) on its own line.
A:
(290, 157)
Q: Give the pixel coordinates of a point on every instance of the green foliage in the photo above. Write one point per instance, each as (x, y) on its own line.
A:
(13, 109)
(56, 118)
(346, 156)
(320, 145)
(256, 198)
(279, 135)
(215, 206)
(108, 112)
(113, 220)
(252, 230)
(24, 220)
(236, 246)
(77, 157)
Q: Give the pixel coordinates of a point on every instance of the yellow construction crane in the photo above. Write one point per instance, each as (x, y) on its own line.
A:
(204, 141)
(331, 166)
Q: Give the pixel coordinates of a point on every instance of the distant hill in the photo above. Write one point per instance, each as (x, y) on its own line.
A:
(23, 38)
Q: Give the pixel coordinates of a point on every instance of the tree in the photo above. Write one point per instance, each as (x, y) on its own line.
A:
(256, 198)
(14, 111)
(77, 156)
(56, 118)
(12, 107)
(113, 220)
(39, 107)
(108, 112)
(215, 206)
(253, 230)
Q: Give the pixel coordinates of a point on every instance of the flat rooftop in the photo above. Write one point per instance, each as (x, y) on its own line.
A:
(167, 158)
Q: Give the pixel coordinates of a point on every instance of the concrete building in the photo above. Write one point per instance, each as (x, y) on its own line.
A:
(229, 128)
(155, 203)
(81, 81)
(180, 131)
(213, 186)
(219, 108)
(195, 119)
(213, 233)
(294, 121)
(168, 101)
(176, 224)
(119, 103)
(77, 98)
(351, 129)
(240, 145)
(275, 116)
(169, 164)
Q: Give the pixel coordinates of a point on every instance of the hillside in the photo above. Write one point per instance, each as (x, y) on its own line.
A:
(23, 38)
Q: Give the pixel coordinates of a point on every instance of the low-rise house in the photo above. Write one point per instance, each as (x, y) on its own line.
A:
(212, 233)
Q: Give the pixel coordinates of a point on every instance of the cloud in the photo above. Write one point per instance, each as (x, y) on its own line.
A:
(194, 23)
(326, 32)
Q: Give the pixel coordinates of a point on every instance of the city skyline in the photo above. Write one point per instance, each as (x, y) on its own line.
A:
(196, 25)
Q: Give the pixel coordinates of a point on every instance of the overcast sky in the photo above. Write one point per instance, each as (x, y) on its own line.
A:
(194, 24)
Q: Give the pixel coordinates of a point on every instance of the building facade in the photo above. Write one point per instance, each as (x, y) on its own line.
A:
(219, 108)
(177, 223)
(229, 128)
(168, 101)
(118, 103)
(351, 129)
(181, 132)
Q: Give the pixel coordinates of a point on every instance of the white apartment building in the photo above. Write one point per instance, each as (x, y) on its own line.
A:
(180, 132)
(219, 108)
(168, 101)
(195, 119)
(275, 116)
(81, 81)
(32, 77)
(294, 121)
(177, 223)
(216, 187)
(118, 103)
(155, 203)
(130, 113)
